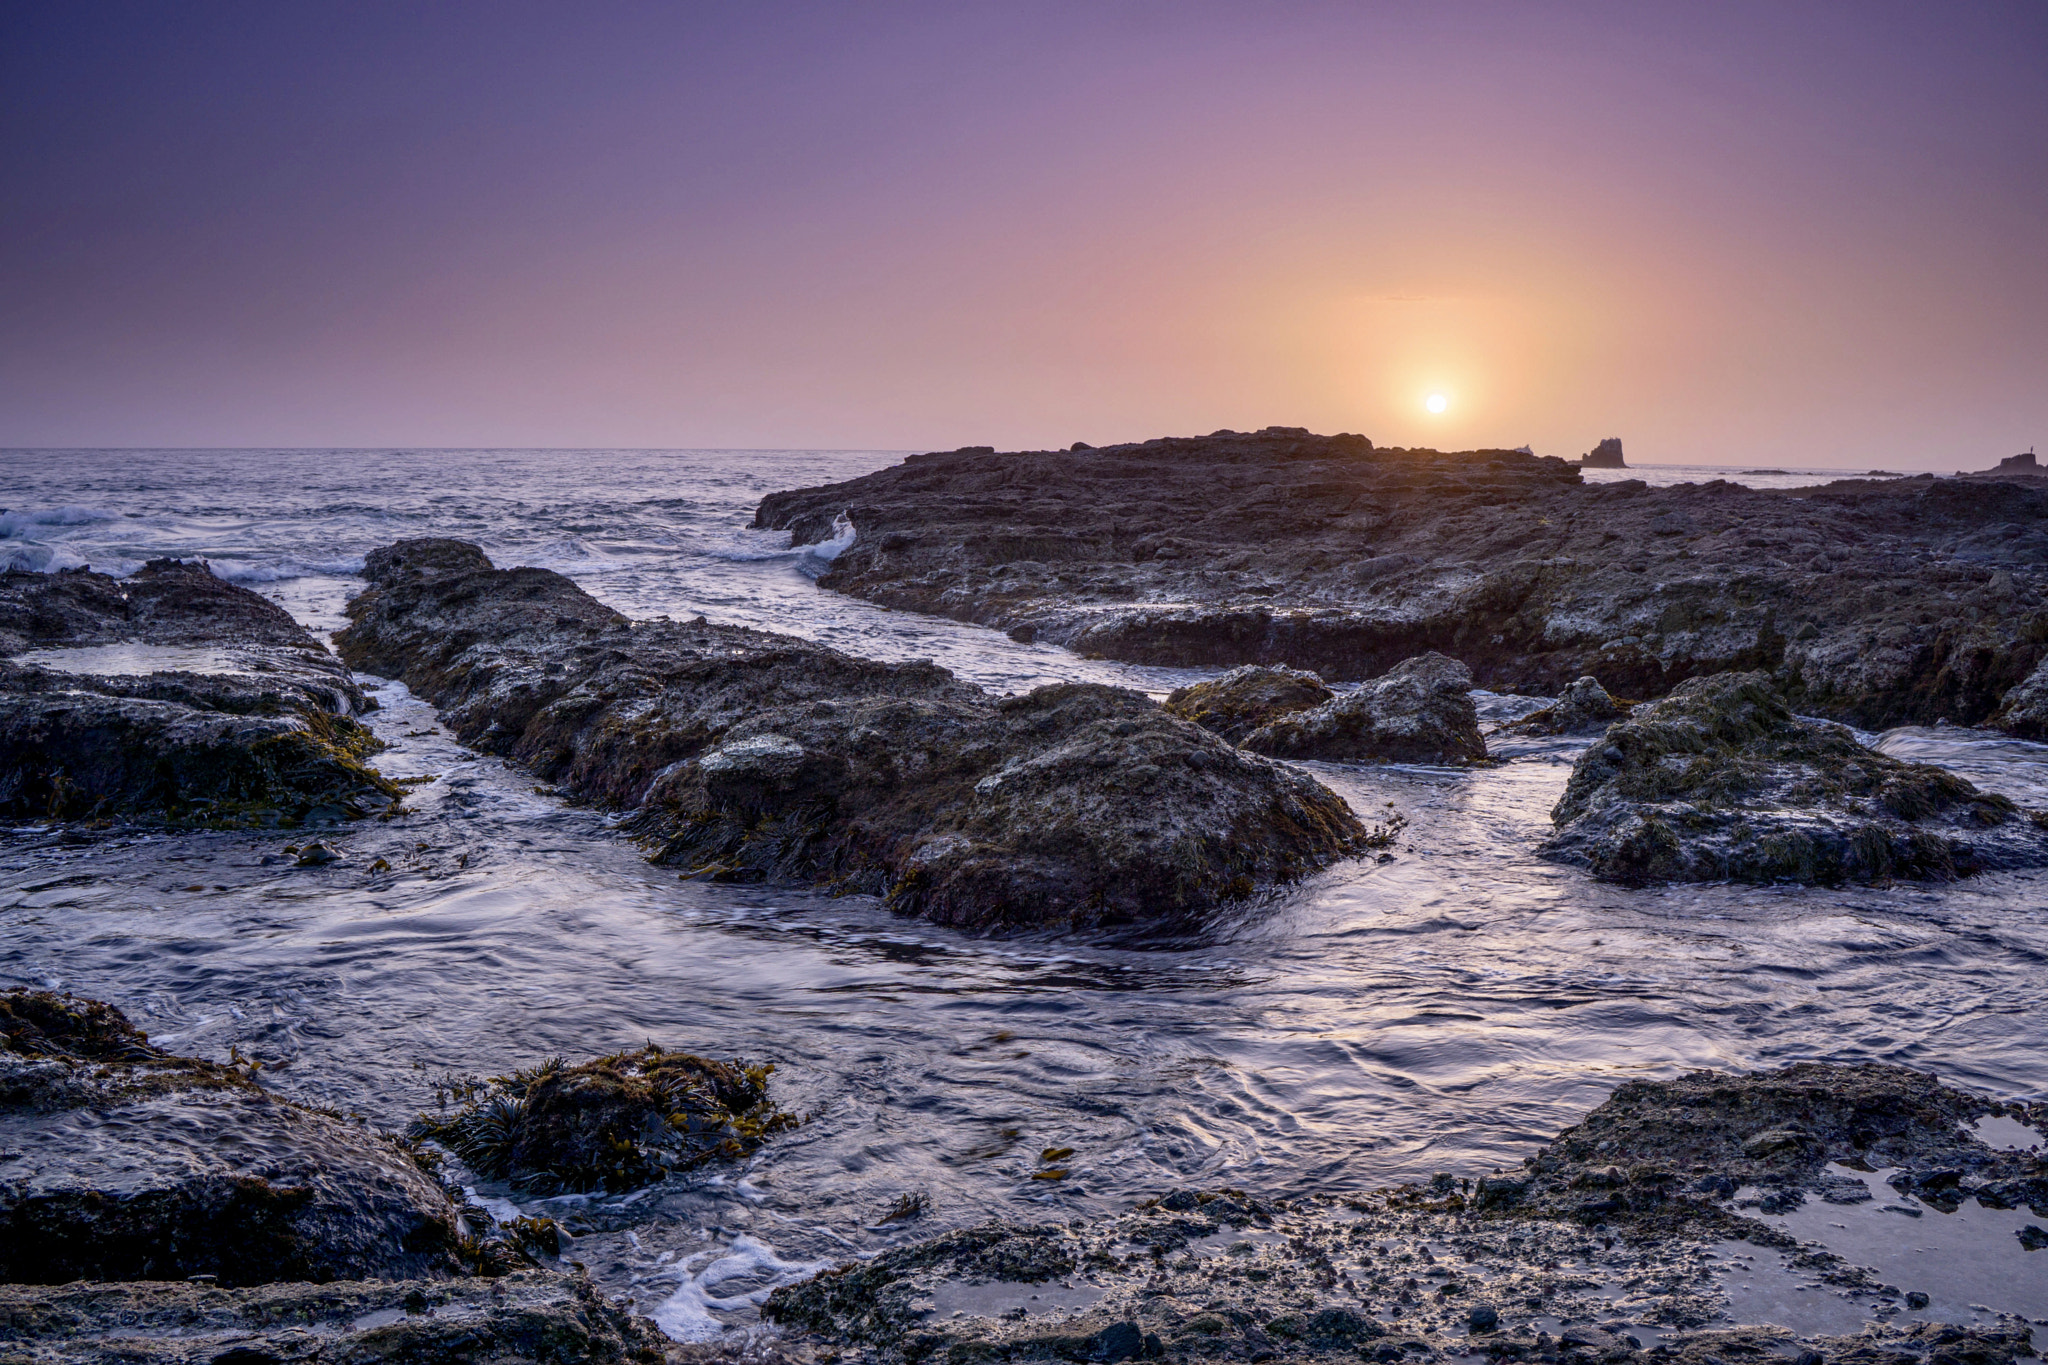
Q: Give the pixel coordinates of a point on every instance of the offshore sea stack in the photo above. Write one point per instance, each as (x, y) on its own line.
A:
(752, 756)
(173, 697)
(1720, 781)
(1880, 602)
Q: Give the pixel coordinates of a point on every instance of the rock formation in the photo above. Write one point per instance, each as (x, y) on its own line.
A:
(1606, 455)
(754, 756)
(127, 1163)
(1248, 697)
(172, 696)
(1582, 707)
(1720, 780)
(1420, 712)
(1880, 602)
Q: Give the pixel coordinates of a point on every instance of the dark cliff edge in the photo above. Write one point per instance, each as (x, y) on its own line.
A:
(1877, 601)
(750, 756)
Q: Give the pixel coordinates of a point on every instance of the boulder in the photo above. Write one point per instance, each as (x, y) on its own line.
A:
(1421, 711)
(1582, 707)
(748, 756)
(1247, 697)
(613, 1124)
(540, 1316)
(124, 1162)
(1720, 780)
(2024, 710)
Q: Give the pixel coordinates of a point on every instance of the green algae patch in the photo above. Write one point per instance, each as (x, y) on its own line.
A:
(614, 1123)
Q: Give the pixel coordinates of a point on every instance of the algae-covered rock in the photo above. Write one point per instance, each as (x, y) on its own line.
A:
(539, 1316)
(126, 1162)
(2024, 710)
(1720, 780)
(613, 1123)
(172, 696)
(752, 756)
(1420, 711)
(1247, 697)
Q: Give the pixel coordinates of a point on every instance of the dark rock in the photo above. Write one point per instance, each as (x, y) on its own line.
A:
(316, 854)
(612, 1124)
(1246, 698)
(1720, 780)
(1606, 455)
(129, 1163)
(532, 1315)
(2024, 710)
(1328, 554)
(173, 696)
(2033, 1237)
(1483, 1317)
(752, 756)
(1420, 712)
(1584, 706)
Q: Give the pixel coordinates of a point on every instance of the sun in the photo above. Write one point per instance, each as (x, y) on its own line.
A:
(1436, 402)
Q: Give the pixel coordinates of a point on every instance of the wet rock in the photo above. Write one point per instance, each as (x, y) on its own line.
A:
(316, 854)
(531, 1315)
(1584, 706)
(750, 756)
(614, 1123)
(129, 1163)
(2023, 711)
(171, 696)
(1720, 780)
(1246, 698)
(1670, 1150)
(1421, 711)
(1880, 602)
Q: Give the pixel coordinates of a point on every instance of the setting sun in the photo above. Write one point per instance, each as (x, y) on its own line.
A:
(1436, 402)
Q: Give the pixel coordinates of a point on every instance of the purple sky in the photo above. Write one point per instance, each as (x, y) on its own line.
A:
(1782, 233)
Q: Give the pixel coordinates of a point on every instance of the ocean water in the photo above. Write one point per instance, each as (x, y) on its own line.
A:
(1445, 1011)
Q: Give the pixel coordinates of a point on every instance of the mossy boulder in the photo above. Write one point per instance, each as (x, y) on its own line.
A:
(613, 1123)
(1720, 781)
(1248, 697)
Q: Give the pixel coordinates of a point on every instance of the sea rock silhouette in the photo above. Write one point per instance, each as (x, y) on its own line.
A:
(1606, 455)
(752, 756)
(1720, 780)
(1881, 602)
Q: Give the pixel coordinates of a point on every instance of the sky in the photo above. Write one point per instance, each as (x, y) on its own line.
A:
(1782, 233)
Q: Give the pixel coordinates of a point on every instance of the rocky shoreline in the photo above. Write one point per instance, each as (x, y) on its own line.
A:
(1881, 602)
(311, 1238)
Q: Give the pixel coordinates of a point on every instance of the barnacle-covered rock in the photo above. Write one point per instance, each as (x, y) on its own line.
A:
(1420, 711)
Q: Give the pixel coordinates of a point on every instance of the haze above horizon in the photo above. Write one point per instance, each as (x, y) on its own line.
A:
(1776, 235)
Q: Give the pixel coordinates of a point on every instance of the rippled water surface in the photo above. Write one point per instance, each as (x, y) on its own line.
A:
(1445, 1010)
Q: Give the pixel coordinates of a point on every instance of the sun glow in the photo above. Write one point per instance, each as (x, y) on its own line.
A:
(1436, 402)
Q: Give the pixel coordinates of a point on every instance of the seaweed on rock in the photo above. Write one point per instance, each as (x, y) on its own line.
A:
(614, 1123)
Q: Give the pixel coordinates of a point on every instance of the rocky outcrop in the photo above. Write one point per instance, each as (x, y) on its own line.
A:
(1246, 698)
(752, 756)
(1720, 780)
(1678, 1150)
(1453, 1268)
(613, 1123)
(1606, 455)
(531, 1315)
(2024, 711)
(124, 1162)
(1420, 712)
(171, 696)
(1583, 707)
(1877, 601)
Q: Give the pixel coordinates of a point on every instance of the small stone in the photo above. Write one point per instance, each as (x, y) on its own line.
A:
(2033, 1237)
(1914, 1299)
(1483, 1317)
(316, 854)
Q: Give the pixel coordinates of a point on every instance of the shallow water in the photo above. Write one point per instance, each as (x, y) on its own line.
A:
(1446, 1010)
